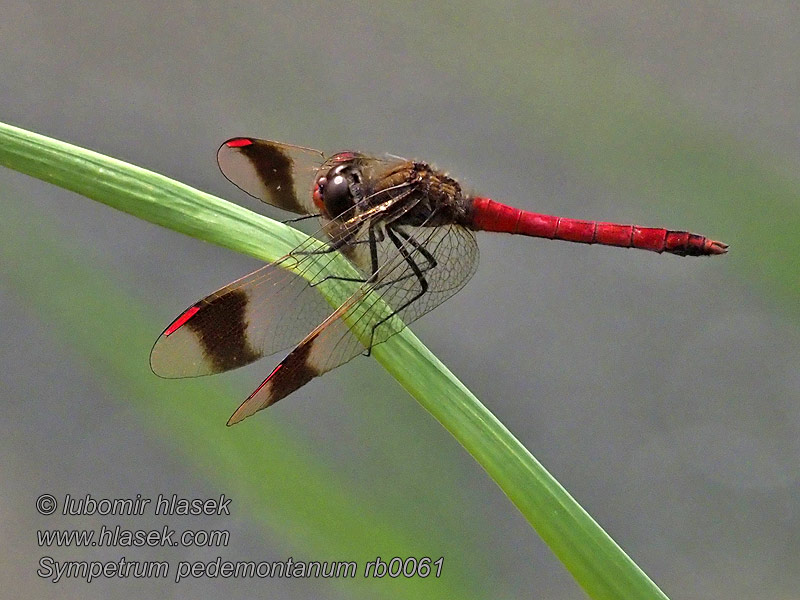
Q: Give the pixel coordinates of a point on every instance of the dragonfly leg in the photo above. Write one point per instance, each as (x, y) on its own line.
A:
(303, 218)
(417, 246)
(394, 235)
(326, 250)
(337, 278)
(372, 240)
(431, 260)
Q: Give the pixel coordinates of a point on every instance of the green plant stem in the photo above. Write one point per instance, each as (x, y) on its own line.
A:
(598, 564)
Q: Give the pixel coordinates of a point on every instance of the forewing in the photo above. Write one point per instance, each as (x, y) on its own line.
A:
(280, 174)
(266, 311)
(333, 343)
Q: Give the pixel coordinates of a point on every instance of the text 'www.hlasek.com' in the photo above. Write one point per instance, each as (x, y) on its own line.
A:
(113, 535)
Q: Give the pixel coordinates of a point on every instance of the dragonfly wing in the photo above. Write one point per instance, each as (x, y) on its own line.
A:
(266, 311)
(327, 347)
(279, 174)
(333, 343)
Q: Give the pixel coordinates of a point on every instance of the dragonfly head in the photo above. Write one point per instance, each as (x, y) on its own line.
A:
(338, 189)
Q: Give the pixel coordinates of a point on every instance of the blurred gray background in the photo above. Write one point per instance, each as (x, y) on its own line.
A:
(662, 392)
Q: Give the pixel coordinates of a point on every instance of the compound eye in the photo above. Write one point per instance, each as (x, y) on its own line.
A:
(336, 193)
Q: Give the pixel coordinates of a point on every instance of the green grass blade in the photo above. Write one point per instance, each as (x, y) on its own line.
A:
(593, 558)
(273, 473)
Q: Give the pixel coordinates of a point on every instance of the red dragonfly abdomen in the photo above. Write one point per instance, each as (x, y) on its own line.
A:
(488, 215)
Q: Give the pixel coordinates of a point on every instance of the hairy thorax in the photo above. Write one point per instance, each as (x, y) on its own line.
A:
(430, 196)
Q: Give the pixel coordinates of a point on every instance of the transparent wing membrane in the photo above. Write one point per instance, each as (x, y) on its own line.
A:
(279, 174)
(362, 321)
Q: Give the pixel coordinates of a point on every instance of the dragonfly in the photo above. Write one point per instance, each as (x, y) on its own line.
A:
(406, 228)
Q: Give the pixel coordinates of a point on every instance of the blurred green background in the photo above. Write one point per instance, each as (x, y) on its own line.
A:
(662, 392)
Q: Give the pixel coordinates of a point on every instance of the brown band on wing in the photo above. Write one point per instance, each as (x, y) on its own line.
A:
(293, 373)
(274, 169)
(225, 347)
